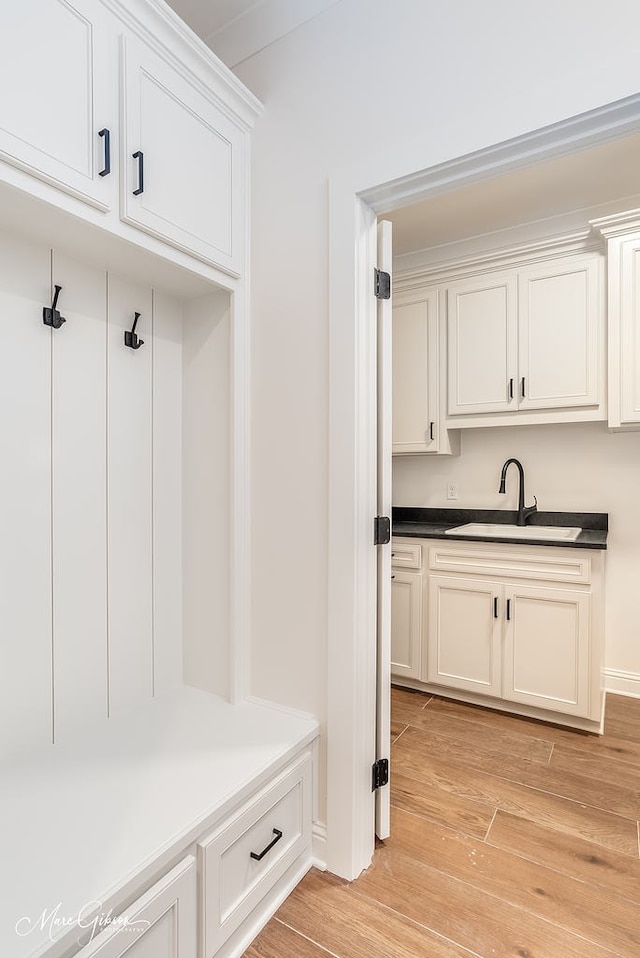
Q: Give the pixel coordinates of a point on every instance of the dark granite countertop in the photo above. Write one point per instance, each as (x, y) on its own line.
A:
(434, 523)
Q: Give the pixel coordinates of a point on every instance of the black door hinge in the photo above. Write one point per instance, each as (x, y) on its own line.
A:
(382, 284)
(381, 530)
(380, 773)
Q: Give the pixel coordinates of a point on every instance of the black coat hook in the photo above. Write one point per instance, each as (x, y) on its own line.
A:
(50, 315)
(130, 336)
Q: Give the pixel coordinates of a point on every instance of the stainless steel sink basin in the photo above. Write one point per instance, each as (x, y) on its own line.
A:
(495, 530)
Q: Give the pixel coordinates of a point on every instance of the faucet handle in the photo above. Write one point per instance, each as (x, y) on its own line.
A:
(529, 510)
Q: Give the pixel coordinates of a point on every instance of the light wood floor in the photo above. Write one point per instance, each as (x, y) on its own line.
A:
(510, 839)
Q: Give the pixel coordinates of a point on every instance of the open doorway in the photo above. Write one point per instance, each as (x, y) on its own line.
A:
(351, 597)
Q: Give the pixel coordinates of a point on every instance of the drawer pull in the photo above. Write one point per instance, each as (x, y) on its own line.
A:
(139, 156)
(264, 851)
(106, 134)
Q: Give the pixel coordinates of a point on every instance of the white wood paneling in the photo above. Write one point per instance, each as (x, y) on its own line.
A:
(129, 498)
(207, 493)
(79, 487)
(167, 491)
(25, 496)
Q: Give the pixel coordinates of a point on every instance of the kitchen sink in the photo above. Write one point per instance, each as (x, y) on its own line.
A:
(498, 530)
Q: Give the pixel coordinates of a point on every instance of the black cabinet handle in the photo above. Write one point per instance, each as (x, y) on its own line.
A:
(393, 577)
(106, 135)
(259, 857)
(523, 393)
(431, 425)
(508, 609)
(511, 389)
(495, 607)
(139, 156)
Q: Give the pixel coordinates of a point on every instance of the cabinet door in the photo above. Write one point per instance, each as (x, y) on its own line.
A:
(185, 183)
(464, 633)
(560, 315)
(406, 624)
(415, 375)
(54, 74)
(625, 364)
(161, 924)
(482, 345)
(546, 656)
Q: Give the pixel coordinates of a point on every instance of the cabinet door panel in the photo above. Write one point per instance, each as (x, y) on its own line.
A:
(406, 624)
(161, 924)
(547, 649)
(415, 376)
(59, 99)
(482, 357)
(193, 161)
(559, 311)
(464, 633)
(629, 356)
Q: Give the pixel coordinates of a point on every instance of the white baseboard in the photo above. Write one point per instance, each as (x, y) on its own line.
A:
(319, 846)
(622, 683)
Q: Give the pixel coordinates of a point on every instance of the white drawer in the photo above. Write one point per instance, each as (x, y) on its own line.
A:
(406, 555)
(233, 880)
(513, 561)
(160, 924)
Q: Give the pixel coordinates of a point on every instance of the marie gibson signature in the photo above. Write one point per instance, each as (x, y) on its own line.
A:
(91, 917)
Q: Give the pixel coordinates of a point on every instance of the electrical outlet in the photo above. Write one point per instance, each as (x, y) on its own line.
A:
(452, 490)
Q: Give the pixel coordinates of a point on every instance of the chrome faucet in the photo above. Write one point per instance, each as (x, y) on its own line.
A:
(523, 511)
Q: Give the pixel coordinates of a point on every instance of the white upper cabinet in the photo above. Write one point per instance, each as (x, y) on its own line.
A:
(622, 233)
(415, 351)
(183, 162)
(527, 342)
(57, 94)
(559, 320)
(104, 100)
(417, 383)
(482, 344)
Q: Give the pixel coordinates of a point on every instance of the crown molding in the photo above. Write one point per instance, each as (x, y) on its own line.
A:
(162, 29)
(567, 244)
(619, 224)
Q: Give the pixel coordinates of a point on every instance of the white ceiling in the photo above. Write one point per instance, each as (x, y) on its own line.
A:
(596, 177)
(236, 29)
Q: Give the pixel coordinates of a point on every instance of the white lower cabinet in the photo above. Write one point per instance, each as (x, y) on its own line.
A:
(546, 648)
(407, 589)
(406, 623)
(160, 924)
(464, 634)
(518, 627)
(522, 643)
(245, 857)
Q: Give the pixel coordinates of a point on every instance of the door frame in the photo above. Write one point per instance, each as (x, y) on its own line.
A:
(357, 195)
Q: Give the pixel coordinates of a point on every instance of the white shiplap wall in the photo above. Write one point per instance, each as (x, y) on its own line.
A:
(90, 497)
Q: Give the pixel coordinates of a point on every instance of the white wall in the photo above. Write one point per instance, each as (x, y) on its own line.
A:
(363, 78)
(568, 467)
